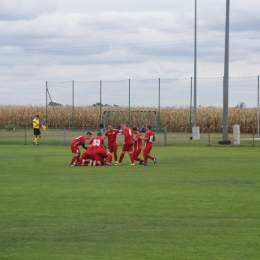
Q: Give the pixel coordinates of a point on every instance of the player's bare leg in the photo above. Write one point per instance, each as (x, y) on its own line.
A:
(90, 163)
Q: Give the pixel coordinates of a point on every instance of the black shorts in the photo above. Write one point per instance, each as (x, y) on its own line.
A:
(36, 131)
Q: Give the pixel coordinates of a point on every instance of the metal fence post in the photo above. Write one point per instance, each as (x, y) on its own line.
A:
(253, 136)
(258, 106)
(64, 135)
(165, 136)
(46, 112)
(100, 101)
(129, 102)
(25, 132)
(209, 136)
(73, 103)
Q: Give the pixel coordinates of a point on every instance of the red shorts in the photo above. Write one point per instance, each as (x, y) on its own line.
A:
(100, 153)
(127, 148)
(137, 152)
(112, 147)
(88, 155)
(75, 149)
(147, 149)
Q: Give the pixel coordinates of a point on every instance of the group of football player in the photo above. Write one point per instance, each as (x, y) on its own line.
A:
(97, 154)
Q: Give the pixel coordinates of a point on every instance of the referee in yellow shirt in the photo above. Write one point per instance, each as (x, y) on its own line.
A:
(36, 130)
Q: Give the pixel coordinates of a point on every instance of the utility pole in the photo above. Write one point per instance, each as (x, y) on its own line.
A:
(195, 128)
(226, 80)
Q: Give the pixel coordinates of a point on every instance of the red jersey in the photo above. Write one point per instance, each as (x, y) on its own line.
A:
(97, 142)
(138, 142)
(128, 135)
(151, 137)
(111, 135)
(78, 141)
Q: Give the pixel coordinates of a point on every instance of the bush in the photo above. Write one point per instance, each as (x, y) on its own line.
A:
(9, 127)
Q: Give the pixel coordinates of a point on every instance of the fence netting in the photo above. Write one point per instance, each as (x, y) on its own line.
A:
(164, 137)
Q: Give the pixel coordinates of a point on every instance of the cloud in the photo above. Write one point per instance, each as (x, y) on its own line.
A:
(62, 40)
(25, 10)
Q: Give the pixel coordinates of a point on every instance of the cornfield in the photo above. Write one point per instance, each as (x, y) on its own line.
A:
(177, 119)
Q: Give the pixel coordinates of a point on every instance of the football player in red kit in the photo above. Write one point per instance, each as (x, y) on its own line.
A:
(127, 144)
(137, 145)
(86, 158)
(111, 134)
(97, 143)
(149, 138)
(74, 146)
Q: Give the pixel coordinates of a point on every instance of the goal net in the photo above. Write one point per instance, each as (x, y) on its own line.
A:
(137, 118)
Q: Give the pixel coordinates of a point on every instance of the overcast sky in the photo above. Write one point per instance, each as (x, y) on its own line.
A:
(117, 40)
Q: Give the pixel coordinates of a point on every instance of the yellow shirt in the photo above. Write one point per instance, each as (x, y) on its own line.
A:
(36, 123)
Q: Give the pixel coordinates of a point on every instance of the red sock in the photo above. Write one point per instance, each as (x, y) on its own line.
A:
(149, 156)
(74, 158)
(121, 157)
(138, 159)
(115, 156)
(145, 159)
(131, 158)
(109, 158)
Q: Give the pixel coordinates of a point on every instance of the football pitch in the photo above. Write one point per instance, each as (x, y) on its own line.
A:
(195, 203)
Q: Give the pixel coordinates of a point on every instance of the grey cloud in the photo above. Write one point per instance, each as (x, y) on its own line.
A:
(116, 40)
(24, 10)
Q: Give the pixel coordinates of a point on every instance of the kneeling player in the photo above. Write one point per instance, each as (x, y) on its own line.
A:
(87, 158)
(97, 143)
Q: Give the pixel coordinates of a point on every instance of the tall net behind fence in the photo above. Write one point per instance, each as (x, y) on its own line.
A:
(243, 91)
(145, 98)
(171, 100)
(87, 95)
(210, 92)
(175, 104)
(58, 95)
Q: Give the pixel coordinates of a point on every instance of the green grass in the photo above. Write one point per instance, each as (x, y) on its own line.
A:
(195, 203)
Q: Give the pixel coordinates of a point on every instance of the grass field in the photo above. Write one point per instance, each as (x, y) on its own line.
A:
(195, 203)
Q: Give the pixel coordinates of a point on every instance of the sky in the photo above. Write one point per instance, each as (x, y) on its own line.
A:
(102, 44)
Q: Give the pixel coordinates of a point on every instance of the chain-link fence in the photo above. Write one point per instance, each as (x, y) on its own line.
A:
(149, 94)
(164, 137)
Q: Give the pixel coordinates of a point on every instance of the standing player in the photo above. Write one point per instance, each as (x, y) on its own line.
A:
(137, 145)
(149, 138)
(99, 153)
(111, 134)
(127, 144)
(36, 130)
(74, 146)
